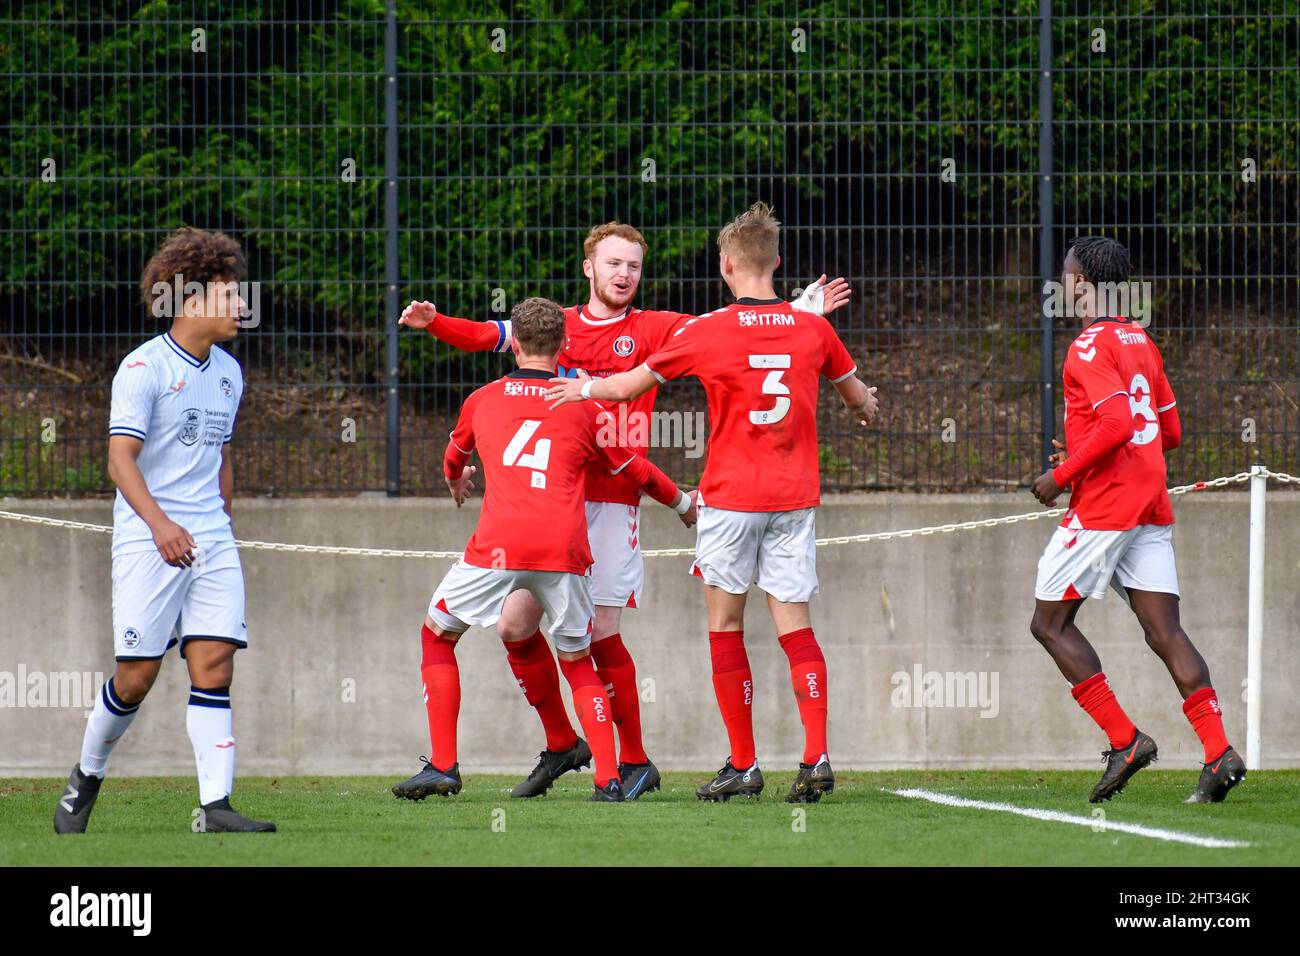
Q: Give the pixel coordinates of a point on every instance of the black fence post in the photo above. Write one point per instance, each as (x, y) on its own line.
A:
(391, 271)
(1047, 369)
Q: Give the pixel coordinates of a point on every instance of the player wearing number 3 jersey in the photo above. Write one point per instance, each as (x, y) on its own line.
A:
(1120, 419)
(760, 362)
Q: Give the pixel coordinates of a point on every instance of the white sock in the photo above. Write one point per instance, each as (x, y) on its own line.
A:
(209, 723)
(106, 725)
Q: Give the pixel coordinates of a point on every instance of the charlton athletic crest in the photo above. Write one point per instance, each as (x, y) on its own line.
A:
(623, 345)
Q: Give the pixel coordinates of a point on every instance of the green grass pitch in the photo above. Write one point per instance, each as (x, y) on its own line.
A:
(356, 821)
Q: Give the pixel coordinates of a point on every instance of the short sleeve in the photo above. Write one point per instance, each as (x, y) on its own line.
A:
(684, 351)
(238, 376)
(1091, 363)
(135, 390)
(838, 364)
(1164, 392)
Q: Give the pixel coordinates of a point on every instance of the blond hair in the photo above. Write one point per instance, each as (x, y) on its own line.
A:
(620, 230)
(752, 238)
(538, 326)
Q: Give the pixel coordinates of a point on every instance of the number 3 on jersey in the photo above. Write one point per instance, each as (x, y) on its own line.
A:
(1139, 403)
(772, 385)
(537, 460)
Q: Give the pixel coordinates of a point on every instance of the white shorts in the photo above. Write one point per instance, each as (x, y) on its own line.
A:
(614, 533)
(778, 549)
(1079, 563)
(156, 605)
(471, 595)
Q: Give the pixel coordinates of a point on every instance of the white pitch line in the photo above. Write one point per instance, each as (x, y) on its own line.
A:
(1056, 816)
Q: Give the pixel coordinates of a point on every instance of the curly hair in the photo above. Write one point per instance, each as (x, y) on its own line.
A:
(538, 326)
(196, 255)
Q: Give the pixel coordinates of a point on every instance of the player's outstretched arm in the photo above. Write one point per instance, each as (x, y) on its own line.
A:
(172, 541)
(660, 487)
(622, 387)
(858, 399)
(464, 334)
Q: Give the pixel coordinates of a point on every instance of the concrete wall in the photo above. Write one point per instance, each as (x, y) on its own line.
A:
(320, 625)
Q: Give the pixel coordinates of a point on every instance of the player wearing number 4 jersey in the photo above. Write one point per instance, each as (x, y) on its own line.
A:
(604, 336)
(760, 362)
(531, 536)
(1120, 419)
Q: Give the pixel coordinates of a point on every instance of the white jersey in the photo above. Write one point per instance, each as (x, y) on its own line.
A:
(183, 410)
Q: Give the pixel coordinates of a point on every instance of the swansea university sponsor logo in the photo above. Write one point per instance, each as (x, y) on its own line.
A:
(75, 908)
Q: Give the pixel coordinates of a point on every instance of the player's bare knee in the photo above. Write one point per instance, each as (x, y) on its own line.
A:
(132, 681)
(1045, 631)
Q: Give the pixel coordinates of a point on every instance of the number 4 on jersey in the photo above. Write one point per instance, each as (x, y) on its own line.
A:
(537, 460)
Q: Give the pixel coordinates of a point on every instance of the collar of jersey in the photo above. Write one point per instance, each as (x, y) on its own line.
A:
(172, 344)
(1110, 318)
(531, 373)
(746, 300)
(610, 321)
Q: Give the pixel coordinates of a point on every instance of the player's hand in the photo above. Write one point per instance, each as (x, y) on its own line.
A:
(835, 294)
(173, 543)
(1057, 459)
(462, 487)
(866, 412)
(692, 514)
(1046, 489)
(418, 315)
(564, 390)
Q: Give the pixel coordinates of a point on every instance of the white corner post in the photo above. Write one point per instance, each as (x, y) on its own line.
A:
(1255, 618)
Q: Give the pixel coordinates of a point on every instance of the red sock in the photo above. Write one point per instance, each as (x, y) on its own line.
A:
(734, 685)
(618, 673)
(534, 667)
(808, 675)
(595, 713)
(1095, 696)
(441, 679)
(1202, 710)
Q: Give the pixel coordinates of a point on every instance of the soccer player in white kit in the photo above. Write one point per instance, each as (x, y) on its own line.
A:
(176, 572)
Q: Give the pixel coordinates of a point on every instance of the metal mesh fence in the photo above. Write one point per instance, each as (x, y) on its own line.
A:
(367, 155)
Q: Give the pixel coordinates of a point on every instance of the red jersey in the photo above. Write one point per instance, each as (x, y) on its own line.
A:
(535, 461)
(604, 347)
(761, 362)
(1114, 360)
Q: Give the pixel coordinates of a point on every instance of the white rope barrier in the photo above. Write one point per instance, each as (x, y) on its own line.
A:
(657, 552)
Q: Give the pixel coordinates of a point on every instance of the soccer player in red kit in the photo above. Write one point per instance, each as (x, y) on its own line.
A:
(760, 362)
(1120, 419)
(531, 536)
(603, 337)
